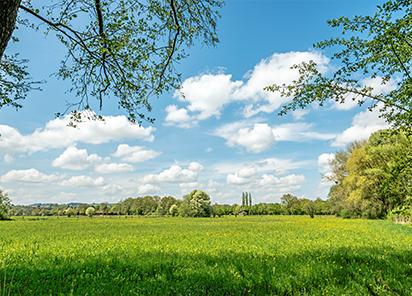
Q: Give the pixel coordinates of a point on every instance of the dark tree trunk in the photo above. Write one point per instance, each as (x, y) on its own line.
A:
(8, 15)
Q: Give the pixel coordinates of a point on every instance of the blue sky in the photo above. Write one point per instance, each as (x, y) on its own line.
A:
(224, 137)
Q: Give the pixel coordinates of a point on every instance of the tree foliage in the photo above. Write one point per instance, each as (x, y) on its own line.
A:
(196, 204)
(121, 48)
(290, 202)
(90, 211)
(5, 202)
(380, 47)
(377, 174)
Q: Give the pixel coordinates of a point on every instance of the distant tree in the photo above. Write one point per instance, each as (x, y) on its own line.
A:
(250, 199)
(82, 208)
(5, 203)
(159, 211)
(69, 212)
(104, 207)
(45, 212)
(125, 206)
(90, 211)
(291, 203)
(220, 211)
(310, 208)
(174, 210)
(196, 204)
(185, 210)
(115, 209)
(35, 212)
(166, 202)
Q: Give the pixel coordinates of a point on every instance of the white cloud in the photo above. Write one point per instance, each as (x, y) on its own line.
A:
(191, 185)
(75, 159)
(298, 132)
(247, 172)
(135, 153)
(363, 125)
(261, 137)
(113, 168)
(208, 150)
(56, 134)
(352, 101)
(64, 197)
(179, 117)
(242, 176)
(275, 69)
(273, 165)
(236, 180)
(83, 181)
(299, 114)
(114, 190)
(287, 183)
(323, 162)
(207, 94)
(29, 176)
(378, 87)
(325, 182)
(175, 174)
(148, 189)
(195, 167)
(255, 140)
(9, 159)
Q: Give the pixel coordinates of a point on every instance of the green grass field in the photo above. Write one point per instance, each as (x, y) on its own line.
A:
(272, 255)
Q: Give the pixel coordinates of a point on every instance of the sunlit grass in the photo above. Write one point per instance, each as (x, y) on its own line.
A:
(275, 255)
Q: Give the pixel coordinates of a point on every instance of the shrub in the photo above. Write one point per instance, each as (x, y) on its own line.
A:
(345, 214)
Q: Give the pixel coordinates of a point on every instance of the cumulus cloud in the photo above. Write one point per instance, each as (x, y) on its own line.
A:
(175, 174)
(195, 167)
(287, 183)
(207, 94)
(275, 69)
(83, 181)
(148, 189)
(29, 176)
(236, 180)
(323, 162)
(261, 136)
(242, 176)
(75, 159)
(56, 134)
(299, 114)
(179, 117)
(114, 190)
(113, 168)
(135, 153)
(363, 125)
(255, 140)
(8, 159)
(191, 185)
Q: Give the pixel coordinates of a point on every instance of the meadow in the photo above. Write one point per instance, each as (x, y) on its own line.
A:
(269, 255)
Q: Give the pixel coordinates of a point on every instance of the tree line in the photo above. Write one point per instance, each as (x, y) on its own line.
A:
(373, 177)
